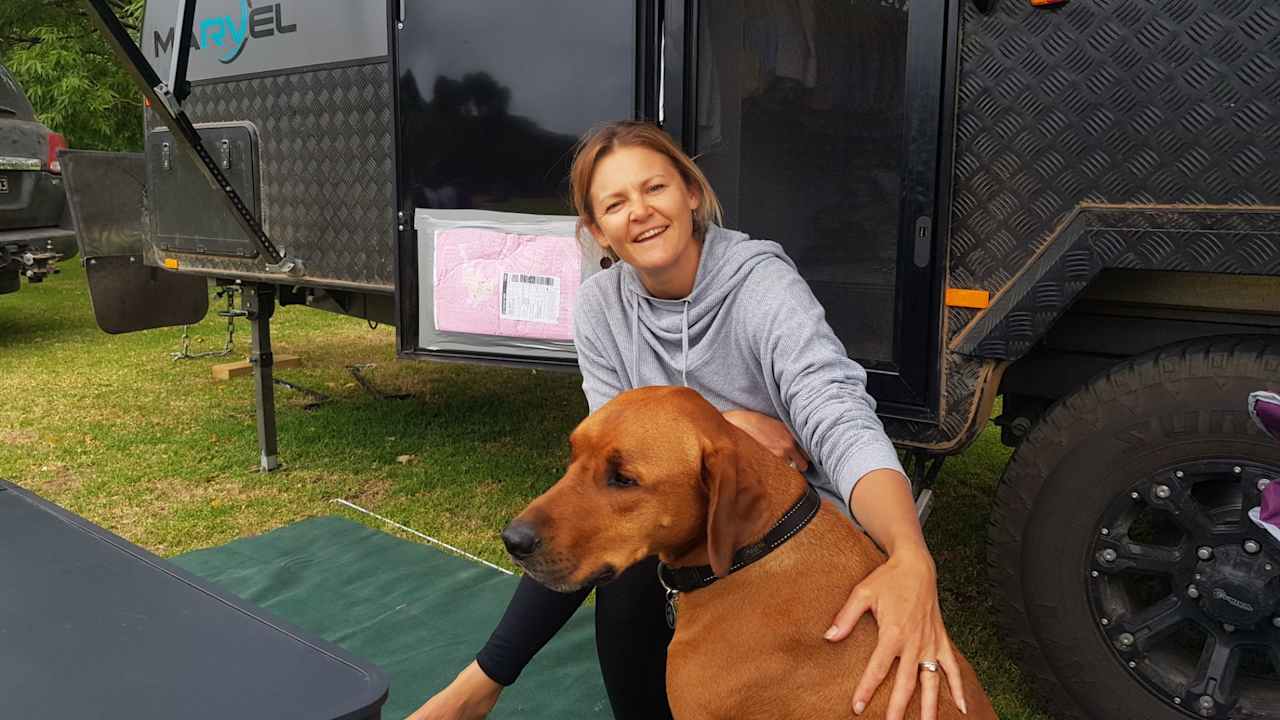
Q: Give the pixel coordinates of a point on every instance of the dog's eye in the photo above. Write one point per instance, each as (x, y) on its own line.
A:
(620, 480)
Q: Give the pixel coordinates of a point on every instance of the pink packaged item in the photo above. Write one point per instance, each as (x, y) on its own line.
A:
(488, 282)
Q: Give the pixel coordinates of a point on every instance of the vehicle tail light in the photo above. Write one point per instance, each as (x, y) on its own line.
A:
(56, 142)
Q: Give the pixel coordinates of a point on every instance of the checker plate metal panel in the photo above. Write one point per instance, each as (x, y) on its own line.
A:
(327, 170)
(1107, 102)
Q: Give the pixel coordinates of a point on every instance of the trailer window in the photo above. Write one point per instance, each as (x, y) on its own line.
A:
(800, 115)
(494, 94)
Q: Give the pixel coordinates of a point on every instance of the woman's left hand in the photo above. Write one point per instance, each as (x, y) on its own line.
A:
(902, 594)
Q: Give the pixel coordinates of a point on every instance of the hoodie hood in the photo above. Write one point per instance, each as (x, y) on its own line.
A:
(679, 333)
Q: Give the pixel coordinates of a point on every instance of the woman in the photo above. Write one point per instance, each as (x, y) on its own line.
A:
(694, 304)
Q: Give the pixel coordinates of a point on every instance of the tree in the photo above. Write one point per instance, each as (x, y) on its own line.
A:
(78, 88)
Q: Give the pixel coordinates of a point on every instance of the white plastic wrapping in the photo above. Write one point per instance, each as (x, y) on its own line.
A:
(500, 283)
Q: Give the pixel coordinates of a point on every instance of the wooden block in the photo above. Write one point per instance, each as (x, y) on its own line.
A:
(226, 371)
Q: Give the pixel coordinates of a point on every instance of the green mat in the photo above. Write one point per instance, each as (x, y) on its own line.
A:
(417, 612)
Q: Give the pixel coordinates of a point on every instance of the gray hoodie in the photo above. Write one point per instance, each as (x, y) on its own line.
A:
(750, 336)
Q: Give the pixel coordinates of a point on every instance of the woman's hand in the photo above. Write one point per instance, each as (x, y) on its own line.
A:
(470, 696)
(902, 594)
(771, 433)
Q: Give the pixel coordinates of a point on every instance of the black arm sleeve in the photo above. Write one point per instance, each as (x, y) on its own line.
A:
(534, 615)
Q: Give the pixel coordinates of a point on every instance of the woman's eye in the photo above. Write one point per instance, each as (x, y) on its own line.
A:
(657, 188)
(612, 207)
(620, 480)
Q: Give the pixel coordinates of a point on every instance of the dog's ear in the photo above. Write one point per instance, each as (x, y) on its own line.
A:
(734, 496)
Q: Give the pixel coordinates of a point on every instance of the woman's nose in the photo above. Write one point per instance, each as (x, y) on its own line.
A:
(640, 209)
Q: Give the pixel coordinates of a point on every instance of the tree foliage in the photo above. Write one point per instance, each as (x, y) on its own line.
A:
(78, 88)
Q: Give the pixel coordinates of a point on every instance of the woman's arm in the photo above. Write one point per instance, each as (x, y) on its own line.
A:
(821, 393)
(601, 375)
(535, 613)
(533, 617)
(902, 594)
(881, 501)
(824, 394)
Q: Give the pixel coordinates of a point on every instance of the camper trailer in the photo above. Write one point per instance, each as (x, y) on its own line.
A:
(1070, 206)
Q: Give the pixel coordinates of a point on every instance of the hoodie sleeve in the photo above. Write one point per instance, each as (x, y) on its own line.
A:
(822, 392)
(600, 379)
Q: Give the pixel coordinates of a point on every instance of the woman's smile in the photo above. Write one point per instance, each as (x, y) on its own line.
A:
(650, 234)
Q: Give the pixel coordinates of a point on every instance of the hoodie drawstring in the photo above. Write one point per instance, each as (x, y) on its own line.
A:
(635, 343)
(684, 346)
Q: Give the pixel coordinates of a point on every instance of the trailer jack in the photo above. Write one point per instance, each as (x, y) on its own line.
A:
(259, 302)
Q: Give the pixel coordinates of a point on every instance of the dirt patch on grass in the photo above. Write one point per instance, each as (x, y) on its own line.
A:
(55, 481)
(371, 493)
(17, 437)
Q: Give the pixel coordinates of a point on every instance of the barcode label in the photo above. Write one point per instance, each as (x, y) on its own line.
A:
(534, 298)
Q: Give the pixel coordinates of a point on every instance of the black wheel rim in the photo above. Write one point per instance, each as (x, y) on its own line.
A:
(1185, 589)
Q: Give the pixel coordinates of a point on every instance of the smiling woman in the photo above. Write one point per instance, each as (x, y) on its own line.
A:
(649, 204)
(715, 310)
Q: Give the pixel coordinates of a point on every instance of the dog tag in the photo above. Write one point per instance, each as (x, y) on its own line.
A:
(671, 608)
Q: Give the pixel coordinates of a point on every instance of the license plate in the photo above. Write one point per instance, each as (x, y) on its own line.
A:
(4, 184)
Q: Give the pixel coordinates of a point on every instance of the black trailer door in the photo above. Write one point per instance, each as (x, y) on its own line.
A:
(492, 95)
(816, 120)
(818, 123)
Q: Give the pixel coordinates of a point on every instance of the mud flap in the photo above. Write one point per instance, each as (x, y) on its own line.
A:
(106, 194)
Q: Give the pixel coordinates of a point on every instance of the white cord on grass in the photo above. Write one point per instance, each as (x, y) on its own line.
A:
(428, 538)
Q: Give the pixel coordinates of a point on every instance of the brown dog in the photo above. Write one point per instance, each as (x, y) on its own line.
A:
(658, 471)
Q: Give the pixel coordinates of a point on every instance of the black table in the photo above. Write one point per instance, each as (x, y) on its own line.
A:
(93, 626)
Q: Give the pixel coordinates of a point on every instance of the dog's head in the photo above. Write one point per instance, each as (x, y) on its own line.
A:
(656, 471)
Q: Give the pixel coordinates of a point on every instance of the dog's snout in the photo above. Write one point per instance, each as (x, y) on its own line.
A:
(521, 539)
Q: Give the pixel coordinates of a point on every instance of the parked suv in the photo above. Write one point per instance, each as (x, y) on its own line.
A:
(35, 229)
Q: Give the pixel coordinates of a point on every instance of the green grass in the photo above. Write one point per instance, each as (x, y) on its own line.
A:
(158, 452)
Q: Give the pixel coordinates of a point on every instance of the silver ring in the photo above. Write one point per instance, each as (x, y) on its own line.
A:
(930, 665)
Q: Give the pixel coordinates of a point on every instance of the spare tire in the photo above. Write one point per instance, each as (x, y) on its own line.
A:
(1128, 576)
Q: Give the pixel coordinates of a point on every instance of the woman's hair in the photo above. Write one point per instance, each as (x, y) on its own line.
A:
(602, 139)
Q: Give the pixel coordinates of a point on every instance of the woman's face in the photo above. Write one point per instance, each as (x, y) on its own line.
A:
(644, 213)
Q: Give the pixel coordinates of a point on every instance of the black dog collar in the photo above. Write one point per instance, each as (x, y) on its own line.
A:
(688, 579)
